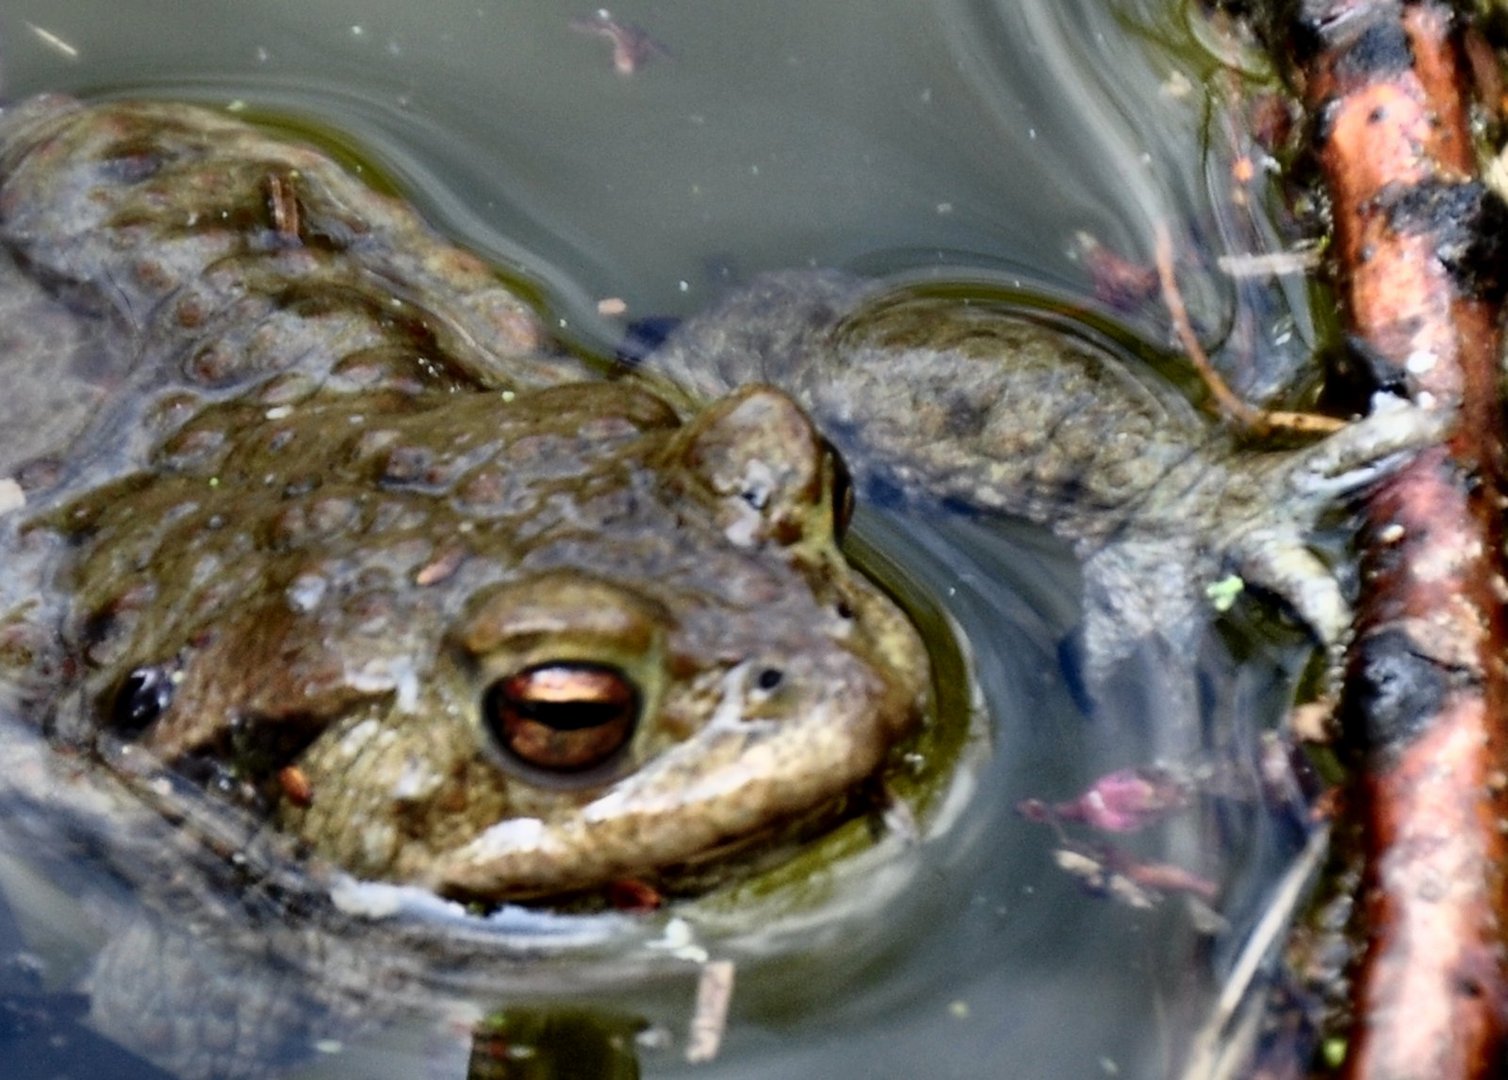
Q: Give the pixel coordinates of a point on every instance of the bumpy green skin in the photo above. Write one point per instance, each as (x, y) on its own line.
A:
(351, 488)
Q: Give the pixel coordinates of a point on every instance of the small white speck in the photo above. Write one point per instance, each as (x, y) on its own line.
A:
(683, 286)
(328, 1046)
(11, 495)
(1420, 361)
(1031, 133)
(279, 412)
(508, 395)
(926, 95)
(357, 31)
(1177, 86)
(753, 170)
(679, 939)
(944, 208)
(306, 592)
(237, 105)
(415, 781)
(262, 54)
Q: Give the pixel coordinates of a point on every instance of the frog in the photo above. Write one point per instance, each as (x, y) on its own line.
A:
(366, 555)
(354, 577)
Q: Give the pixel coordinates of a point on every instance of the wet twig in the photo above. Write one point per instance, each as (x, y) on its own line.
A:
(1232, 407)
(1385, 86)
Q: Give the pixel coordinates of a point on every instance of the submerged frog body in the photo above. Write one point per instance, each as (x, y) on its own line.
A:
(363, 557)
(968, 404)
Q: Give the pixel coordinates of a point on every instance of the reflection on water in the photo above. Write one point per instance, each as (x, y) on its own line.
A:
(964, 140)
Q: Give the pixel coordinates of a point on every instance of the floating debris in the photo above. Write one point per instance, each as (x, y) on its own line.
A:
(53, 42)
(1269, 264)
(714, 990)
(632, 45)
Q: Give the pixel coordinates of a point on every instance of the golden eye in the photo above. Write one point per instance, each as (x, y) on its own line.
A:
(562, 716)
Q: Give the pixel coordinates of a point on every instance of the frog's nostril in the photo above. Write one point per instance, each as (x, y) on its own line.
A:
(145, 695)
(563, 716)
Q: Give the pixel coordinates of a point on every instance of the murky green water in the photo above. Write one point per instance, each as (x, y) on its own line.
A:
(965, 140)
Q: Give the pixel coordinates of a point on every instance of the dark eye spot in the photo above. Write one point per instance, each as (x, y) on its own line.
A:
(769, 678)
(563, 716)
(145, 695)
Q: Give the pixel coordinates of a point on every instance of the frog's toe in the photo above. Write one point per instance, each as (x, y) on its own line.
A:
(1278, 562)
(1373, 447)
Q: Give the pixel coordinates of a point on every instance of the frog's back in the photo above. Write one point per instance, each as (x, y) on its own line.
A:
(965, 403)
(210, 256)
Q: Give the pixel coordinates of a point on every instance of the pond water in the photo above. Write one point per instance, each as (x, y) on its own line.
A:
(966, 142)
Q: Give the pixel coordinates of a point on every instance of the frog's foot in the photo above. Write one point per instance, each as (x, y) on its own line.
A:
(1271, 552)
(1364, 452)
(1279, 562)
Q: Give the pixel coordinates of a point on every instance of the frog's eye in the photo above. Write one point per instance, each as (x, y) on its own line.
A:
(145, 695)
(562, 716)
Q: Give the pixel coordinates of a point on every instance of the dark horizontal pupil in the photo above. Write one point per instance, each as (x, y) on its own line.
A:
(570, 715)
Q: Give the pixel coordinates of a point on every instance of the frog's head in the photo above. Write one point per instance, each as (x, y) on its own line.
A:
(503, 650)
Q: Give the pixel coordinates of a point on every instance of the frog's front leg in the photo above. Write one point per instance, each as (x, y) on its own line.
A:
(1273, 554)
(1363, 452)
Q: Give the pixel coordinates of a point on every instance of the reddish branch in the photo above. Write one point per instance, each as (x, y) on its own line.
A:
(1385, 83)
